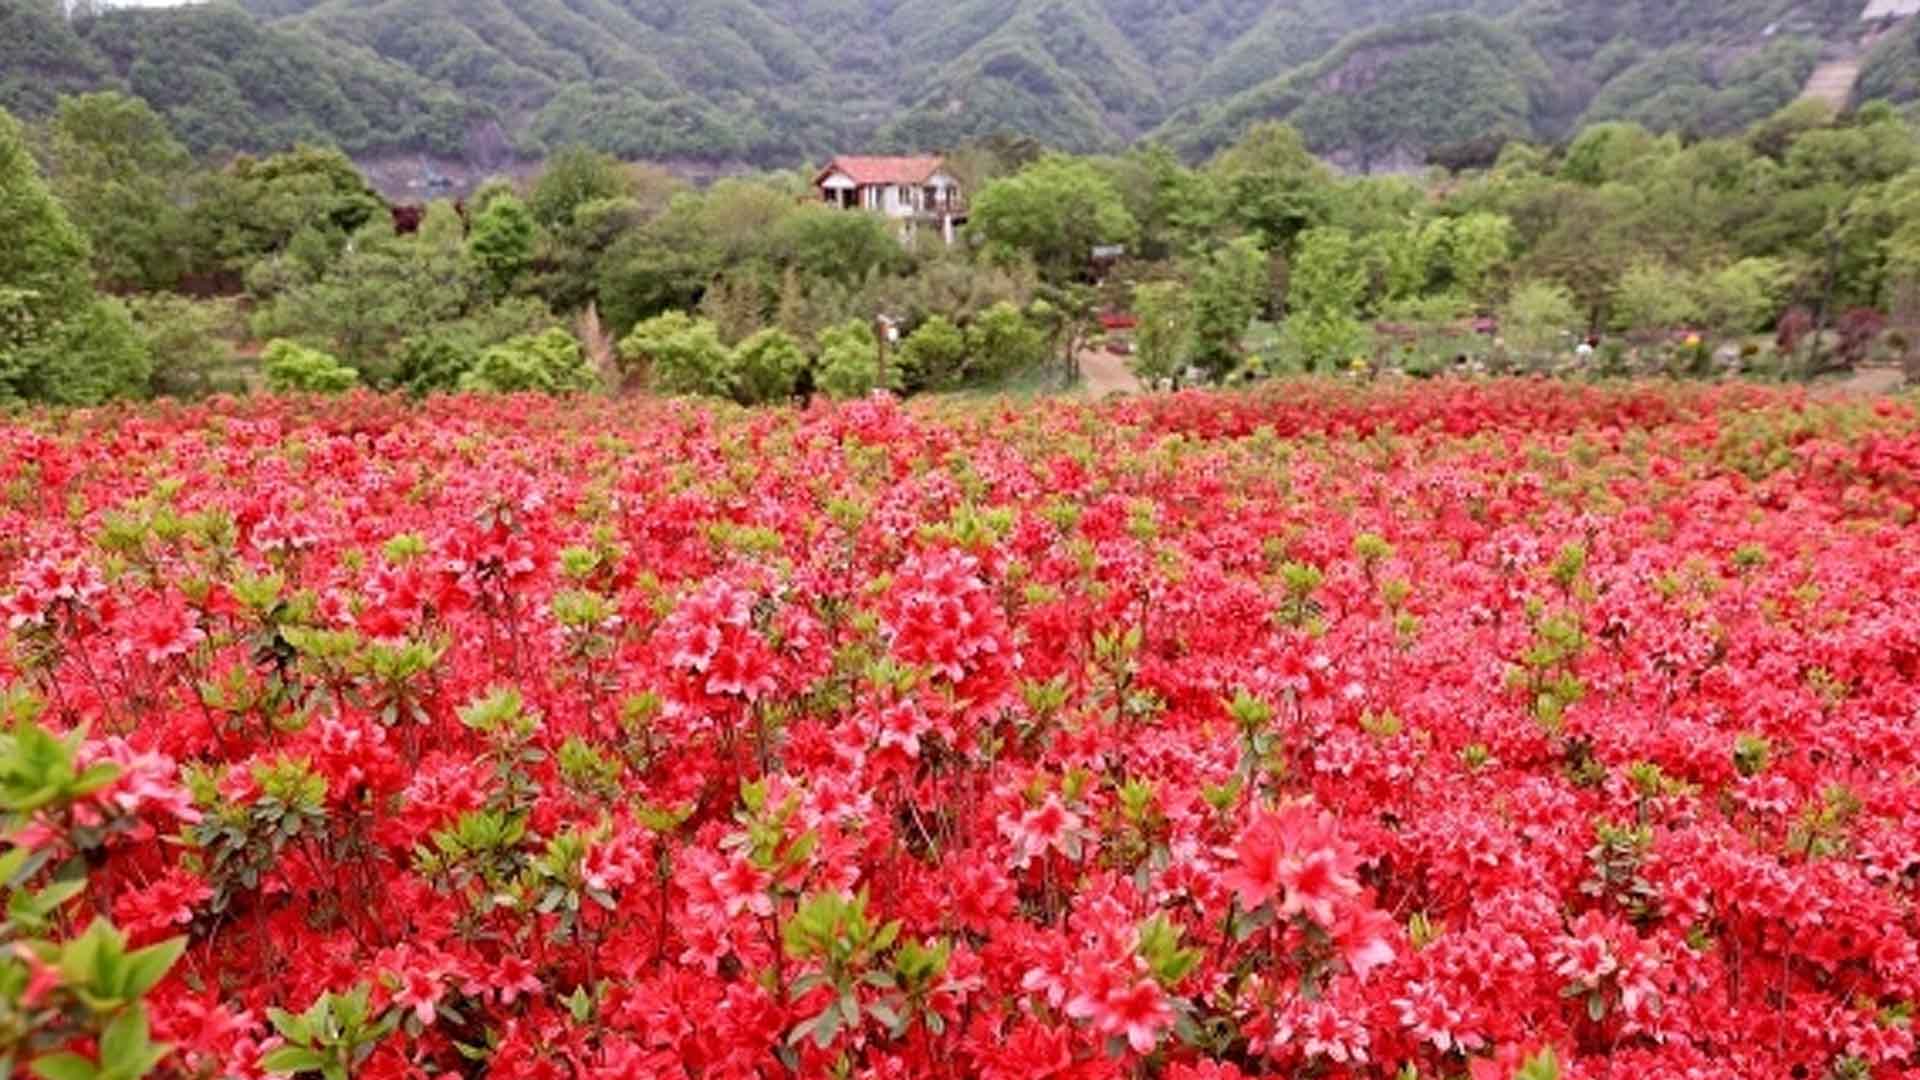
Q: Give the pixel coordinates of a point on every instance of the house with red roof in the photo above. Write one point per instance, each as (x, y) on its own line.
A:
(910, 190)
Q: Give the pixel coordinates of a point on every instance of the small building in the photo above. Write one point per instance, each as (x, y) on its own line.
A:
(909, 190)
(1890, 9)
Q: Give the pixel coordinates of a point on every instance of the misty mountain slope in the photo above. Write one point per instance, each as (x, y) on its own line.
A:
(774, 82)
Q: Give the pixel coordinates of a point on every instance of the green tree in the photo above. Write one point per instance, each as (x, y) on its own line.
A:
(291, 367)
(1537, 317)
(1229, 288)
(574, 177)
(188, 340)
(1653, 296)
(678, 354)
(1271, 185)
(1326, 288)
(767, 367)
(1743, 297)
(501, 242)
(381, 291)
(1000, 341)
(736, 304)
(123, 176)
(94, 357)
(43, 263)
(1054, 211)
(1606, 152)
(1475, 246)
(825, 243)
(1326, 274)
(851, 363)
(58, 341)
(257, 207)
(1323, 339)
(1163, 338)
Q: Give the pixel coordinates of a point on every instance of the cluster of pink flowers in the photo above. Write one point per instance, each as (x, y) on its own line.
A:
(1444, 731)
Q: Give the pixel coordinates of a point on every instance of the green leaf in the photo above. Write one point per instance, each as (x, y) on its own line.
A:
(64, 1066)
(826, 1028)
(884, 1013)
(148, 966)
(95, 778)
(292, 1059)
(292, 1028)
(125, 1039)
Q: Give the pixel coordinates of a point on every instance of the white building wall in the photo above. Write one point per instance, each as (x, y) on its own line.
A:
(1891, 9)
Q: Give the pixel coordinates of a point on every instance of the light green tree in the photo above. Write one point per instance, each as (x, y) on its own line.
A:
(851, 363)
(1743, 297)
(1001, 340)
(1326, 273)
(123, 176)
(1477, 245)
(574, 177)
(1230, 287)
(1056, 211)
(679, 354)
(1653, 296)
(1163, 334)
(1537, 317)
(1270, 184)
(1324, 295)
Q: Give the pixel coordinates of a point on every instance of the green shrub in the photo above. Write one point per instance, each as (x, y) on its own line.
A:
(187, 340)
(678, 354)
(432, 364)
(850, 364)
(934, 356)
(94, 357)
(549, 363)
(767, 367)
(293, 368)
(1000, 341)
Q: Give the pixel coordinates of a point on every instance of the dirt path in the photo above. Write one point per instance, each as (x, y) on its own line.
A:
(1106, 374)
(1870, 380)
(1833, 83)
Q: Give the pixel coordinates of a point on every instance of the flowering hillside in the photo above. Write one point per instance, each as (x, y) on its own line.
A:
(1495, 730)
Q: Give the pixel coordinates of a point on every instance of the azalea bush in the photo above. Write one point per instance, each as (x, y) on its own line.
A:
(1491, 730)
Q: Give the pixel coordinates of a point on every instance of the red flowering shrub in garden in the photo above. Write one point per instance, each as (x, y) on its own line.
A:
(1491, 730)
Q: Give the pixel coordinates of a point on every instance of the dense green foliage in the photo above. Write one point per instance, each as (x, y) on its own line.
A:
(59, 341)
(597, 274)
(1369, 82)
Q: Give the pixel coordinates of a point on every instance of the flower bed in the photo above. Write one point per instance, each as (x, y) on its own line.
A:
(1491, 730)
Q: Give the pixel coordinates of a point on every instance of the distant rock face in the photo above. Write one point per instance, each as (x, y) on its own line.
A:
(1362, 70)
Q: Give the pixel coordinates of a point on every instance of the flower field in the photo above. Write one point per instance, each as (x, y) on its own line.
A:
(1462, 730)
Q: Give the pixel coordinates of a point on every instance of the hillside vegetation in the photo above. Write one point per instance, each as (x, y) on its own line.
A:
(1371, 83)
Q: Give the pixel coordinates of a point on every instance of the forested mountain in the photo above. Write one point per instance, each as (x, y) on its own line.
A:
(1371, 83)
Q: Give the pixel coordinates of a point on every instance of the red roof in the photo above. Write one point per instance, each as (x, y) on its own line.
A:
(882, 170)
